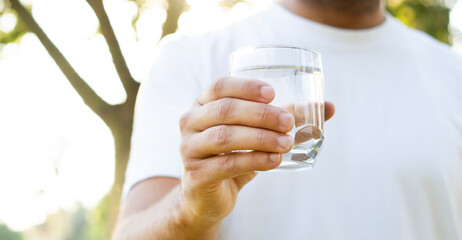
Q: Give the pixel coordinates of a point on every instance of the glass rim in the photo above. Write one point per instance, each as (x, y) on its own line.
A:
(277, 46)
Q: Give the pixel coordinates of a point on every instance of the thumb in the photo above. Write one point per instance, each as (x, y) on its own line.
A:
(242, 180)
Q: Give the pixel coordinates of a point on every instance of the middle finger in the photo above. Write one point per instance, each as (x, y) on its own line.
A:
(233, 111)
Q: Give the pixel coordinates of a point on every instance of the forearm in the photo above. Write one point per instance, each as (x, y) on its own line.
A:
(164, 220)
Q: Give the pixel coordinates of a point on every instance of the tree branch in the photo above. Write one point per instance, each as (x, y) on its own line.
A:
(129, 84)
(174, 10)
(89, 96)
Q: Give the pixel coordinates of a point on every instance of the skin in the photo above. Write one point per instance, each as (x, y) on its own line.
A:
(221, 120)
(348, 14)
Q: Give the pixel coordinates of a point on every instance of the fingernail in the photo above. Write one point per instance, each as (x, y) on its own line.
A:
(267, 92)
(274, 157)
(286, 120)
(285, 142)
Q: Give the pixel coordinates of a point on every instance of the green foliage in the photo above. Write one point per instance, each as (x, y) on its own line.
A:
(78, 224)
(7, 234)
(97, 222)
(430, 16)
(19, 30)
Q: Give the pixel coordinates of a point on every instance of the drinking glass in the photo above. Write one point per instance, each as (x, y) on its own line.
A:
(296, 76)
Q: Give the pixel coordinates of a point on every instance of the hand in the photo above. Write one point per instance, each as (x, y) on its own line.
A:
(232, 114)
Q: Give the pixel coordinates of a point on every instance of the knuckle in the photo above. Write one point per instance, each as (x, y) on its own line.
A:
(191, 166)
(247, 86)
(192, 171)
(184, 147)
(217, 86)
(264, 113)
(260, 136)
(254, 161)
(231, 163)
(221, 135)
(184, 120)
(224, 107)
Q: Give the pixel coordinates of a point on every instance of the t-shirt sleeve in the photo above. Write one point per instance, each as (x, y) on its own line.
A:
(168, 92)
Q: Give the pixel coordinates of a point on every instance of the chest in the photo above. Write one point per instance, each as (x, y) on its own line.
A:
(388, 116)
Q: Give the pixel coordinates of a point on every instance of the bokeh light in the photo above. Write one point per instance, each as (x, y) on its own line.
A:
(54, 152)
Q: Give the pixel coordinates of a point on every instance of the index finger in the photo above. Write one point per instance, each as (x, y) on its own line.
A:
(234, 87)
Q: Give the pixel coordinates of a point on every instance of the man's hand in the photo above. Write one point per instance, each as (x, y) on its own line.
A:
(232, 114)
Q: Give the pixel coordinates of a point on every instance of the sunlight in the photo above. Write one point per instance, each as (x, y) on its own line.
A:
(66, 153)
(456, 23)
(456, 16)
(55, 150)
(198, 18)
(7, 22)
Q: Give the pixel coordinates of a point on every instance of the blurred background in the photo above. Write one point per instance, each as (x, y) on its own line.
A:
(69, 74)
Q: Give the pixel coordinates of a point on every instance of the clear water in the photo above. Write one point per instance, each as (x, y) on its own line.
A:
(300, 91)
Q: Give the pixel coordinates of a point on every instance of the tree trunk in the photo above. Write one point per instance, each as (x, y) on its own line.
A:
(121, 126)
(174, 10)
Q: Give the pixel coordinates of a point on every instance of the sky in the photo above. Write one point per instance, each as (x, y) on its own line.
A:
(53, 150)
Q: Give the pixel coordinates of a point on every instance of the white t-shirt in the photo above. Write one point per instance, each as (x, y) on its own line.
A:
(391, 164)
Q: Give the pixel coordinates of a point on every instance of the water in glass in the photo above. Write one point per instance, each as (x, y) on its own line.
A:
(299, 90)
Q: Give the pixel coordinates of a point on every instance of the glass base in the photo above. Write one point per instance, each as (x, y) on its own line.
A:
(298, 160)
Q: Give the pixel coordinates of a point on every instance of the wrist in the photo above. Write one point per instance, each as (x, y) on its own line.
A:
(187, 217)
(193, 224)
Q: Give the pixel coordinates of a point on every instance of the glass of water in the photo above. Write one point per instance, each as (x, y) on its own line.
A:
(296, 75)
